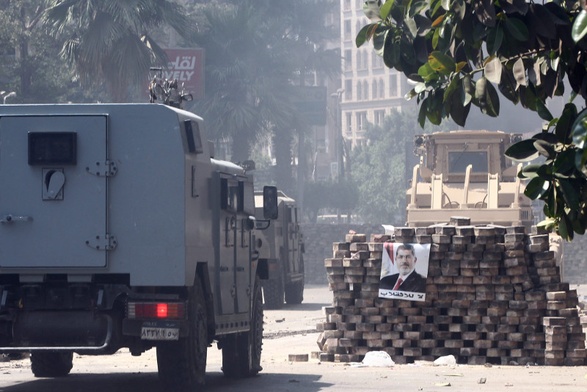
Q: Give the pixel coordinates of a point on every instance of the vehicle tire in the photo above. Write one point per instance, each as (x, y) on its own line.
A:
(294, 292)
(241, 353)
(273, 293)
(182, 363)
(51, 363)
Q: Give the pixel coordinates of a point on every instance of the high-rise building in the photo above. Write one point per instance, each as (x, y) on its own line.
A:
(369, 90)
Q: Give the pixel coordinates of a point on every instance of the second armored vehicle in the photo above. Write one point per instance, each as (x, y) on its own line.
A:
(281, 248)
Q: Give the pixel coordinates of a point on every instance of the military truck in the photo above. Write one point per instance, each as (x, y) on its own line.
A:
(281, 248)
(118, 228)
(465, 173)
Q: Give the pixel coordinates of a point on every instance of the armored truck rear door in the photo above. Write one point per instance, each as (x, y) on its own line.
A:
(53, 191)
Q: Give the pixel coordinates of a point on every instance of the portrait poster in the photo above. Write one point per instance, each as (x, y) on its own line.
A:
(404, 270)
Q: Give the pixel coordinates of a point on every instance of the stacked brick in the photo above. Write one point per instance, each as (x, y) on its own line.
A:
(583, 317)
(493, 295)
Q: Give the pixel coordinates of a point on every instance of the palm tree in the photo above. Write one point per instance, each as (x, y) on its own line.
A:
(256, 51)
(302, 39)
(109, 41)
(244, 80)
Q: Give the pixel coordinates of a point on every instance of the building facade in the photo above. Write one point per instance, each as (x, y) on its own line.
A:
(370, 90)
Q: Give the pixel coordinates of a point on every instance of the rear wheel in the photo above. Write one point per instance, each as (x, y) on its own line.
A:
(273, 293)
(51, 363)
(182, 364)
(294, 292)
(241, 353)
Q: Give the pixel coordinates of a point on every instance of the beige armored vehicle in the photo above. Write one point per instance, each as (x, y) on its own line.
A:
(465, 173)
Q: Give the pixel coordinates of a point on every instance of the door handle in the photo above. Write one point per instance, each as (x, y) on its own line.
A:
(9, 218)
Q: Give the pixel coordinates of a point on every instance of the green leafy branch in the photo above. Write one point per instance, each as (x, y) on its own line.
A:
(460, 53)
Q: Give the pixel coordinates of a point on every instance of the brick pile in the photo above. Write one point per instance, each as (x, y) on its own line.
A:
(583, 316)
(493, 295)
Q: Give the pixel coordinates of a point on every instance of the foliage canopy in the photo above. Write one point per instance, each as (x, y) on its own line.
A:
(460, 53)
(109, 41)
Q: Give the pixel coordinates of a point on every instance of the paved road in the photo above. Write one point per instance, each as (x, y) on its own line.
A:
(292, 331)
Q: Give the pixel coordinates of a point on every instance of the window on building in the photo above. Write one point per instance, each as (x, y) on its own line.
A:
(393, 85)
(381, 88)
(359, 91)
(348, 90)
(347, 5)
(361, 118)
(359, 59)
(347, 28)
(376, 61)
(374, 89)
(365, 59)
(348, 126)
(379, 116)
(365, 90)
(348, 59)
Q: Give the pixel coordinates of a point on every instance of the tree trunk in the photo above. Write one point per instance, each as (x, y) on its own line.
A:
(240, 146)
(25, 71)
(282, 140)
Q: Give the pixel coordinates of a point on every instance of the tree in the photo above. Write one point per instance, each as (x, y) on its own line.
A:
(109, 41)
(28, 63)
(256, 51)
(457, 51)
(245, 83)
(342, 196)
(302, 40)
(382, 167)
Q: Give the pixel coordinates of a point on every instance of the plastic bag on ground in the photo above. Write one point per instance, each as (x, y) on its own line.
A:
(447, 360)
(377, 359)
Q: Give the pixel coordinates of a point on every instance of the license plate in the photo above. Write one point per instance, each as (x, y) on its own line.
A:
(153, 333)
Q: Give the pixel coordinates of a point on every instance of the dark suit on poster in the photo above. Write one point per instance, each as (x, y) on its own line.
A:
(414, 283)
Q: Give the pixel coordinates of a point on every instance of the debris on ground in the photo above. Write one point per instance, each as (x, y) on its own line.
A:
(298, 357)
(447, 360)
(377, 359)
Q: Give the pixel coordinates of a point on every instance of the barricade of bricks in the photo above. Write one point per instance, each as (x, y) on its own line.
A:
(493, 295)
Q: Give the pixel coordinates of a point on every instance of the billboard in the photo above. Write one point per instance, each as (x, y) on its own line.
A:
(187, 66)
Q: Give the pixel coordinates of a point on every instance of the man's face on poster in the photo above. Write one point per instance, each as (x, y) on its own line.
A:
(406, 261)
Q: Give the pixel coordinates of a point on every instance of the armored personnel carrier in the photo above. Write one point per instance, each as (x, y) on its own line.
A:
(119, 228)
(465, 173)
(281, 248)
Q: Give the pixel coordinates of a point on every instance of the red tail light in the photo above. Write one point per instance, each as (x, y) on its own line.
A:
(156, 310)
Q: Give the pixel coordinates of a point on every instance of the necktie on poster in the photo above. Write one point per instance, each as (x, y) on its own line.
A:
(398, 283)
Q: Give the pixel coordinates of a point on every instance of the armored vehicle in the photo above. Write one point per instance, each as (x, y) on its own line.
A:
(465, 173)
(118, 228)
(281, 248)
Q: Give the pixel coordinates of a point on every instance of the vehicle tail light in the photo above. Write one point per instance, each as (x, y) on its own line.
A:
(156, 310)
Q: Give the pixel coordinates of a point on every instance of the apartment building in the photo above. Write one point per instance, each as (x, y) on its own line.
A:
(369, 90)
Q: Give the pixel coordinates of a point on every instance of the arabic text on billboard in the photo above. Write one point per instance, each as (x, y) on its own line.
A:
(187, 66)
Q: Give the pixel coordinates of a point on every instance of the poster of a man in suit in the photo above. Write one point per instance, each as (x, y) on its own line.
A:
(404, 270)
